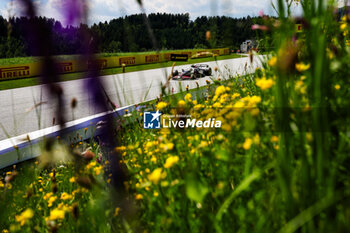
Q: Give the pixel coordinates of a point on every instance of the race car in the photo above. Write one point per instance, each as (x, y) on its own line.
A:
(194, 72)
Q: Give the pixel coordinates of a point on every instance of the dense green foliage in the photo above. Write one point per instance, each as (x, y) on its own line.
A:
(130, 34)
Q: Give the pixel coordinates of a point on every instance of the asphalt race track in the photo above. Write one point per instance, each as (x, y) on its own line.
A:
(20, 112)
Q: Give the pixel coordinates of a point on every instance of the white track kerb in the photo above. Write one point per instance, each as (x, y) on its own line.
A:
(28, 146)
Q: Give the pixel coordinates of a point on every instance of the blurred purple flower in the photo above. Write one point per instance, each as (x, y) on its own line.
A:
(74, 11)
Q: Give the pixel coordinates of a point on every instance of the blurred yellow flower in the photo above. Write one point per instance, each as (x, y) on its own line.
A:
(90, 165)
(51, 200)
(24, 216)
(254, 111)
(64, 207)
(164, 183)
(220, 185)
(337, 86)
(181, 103)
(188, 97)
(203, 144)
(254, 100)
(216, 105)
(343, 26)
(264, 83)
(220, 90)
(247, 143)
(116, 212)
(161, 105)
(256, 139)
(309, 137)
(153, 159)
(120, 148)
(330, 54)
(226, 127)
(299, 84)
(198, 106)
(232, 115)
(235, 95)
(272, 62)
(150, 144)
(238, 106)
(56, 214)
(47, 195)
(98, 170)
(72, 179)
(156, 175)
(139, 196)
(274, 139)
(302, 67)
(300, 87)
(175, 182)
(171, 161)
(166, 146)
(66, 196)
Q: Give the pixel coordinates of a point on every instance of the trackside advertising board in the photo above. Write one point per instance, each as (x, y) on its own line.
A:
(179, 57)
(8, 72)
(19, 71)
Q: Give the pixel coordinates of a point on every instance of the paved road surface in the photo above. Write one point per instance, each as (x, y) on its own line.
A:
(18, 115)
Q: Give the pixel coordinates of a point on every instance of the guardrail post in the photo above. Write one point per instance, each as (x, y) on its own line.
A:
(123, 65)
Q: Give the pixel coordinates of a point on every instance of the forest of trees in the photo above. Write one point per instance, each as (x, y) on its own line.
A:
(129, 34)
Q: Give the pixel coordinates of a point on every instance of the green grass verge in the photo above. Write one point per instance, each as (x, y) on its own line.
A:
(10, 84)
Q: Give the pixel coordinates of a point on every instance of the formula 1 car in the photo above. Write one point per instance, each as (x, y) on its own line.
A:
(194, 72)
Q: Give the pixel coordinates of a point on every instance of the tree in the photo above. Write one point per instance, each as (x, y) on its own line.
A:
(114, 47)
(129, 34)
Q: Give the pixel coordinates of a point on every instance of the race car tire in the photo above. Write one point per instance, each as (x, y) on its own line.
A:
(209, 72)
(196, 74)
